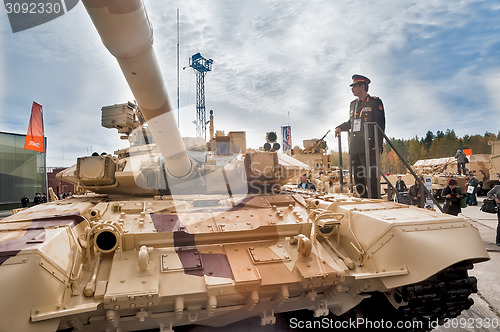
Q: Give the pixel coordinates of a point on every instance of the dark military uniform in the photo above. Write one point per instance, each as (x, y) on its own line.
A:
(370, 109)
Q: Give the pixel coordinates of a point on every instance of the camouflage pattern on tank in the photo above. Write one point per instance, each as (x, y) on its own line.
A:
(136, 264)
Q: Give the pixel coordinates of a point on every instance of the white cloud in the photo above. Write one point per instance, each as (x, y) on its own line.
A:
(492, 85)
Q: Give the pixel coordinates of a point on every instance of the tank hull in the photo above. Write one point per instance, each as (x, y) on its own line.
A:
(98, 263)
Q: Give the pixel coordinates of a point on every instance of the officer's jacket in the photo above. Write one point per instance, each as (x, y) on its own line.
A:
(370, 109)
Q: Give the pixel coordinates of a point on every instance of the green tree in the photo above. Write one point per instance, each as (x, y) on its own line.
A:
(427, 141)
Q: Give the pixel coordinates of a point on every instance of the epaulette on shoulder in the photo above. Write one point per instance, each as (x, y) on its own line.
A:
(374, 97)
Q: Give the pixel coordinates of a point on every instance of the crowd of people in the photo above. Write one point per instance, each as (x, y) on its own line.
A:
(454, 198)
(38, 199)
(42, 198)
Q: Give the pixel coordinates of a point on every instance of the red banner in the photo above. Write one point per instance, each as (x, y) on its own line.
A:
(468, 152)
(34, 137)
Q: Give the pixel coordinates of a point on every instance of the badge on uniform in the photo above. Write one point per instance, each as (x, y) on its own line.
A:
(357, 125)
(366, 109)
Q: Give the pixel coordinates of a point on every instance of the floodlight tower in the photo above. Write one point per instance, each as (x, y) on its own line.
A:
(201, 67)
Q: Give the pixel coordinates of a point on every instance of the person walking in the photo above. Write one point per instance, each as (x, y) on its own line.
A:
(494, 193)
(452, 195)
(363, 109)
(417, 195)
(472, 186)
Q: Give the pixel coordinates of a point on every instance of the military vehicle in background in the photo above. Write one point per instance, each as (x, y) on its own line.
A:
(323, 174)
(314, 154)
(439, 181)
(485, 167)
(492, 177)
(177, 232)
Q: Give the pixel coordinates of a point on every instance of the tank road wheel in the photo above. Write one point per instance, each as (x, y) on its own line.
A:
(427, 304)
(444, 295)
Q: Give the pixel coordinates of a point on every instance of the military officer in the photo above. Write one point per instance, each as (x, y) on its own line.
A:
(363, 109)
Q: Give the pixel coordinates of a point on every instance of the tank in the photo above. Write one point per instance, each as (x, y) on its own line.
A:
(485, 167)
(172, 232)
(315, 154)
(491, 176)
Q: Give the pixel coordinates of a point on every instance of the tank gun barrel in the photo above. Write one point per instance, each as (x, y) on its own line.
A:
(126, 32)
(322, 138)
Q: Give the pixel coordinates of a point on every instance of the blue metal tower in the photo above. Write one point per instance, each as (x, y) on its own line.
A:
(201, 67)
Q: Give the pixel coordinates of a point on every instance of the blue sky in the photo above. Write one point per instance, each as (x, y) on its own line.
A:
(435, 64)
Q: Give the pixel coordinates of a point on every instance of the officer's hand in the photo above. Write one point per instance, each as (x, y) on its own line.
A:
(337, 132)
(497, 200)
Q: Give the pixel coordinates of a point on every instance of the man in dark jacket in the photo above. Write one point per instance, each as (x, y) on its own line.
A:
(472, 187)
(305, 183)
(461, 160)
(400, 184)
(37, 199)
(494, 193)
(363, 109)
(24, 201)
(452, 195)
(417, 194)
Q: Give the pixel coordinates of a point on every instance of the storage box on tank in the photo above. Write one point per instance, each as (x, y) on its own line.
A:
(120, 116)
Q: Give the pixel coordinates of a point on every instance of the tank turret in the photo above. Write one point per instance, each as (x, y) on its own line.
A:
(161, 164)
(126, 32)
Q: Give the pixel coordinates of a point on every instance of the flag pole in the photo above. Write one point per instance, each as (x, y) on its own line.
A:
(178, 64)
(45, 157)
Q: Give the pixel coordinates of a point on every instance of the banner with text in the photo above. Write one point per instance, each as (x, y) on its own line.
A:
(286, 132)
(34, 137)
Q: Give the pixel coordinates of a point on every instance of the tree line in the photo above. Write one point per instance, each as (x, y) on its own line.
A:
(440, 145)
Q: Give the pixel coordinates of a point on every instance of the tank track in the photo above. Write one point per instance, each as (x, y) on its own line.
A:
(443, 295)
(427, 303)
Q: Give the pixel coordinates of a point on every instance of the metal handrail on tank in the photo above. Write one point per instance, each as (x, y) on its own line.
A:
(377, 163)
(378, 131)
(126, 32)
(341, 167)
